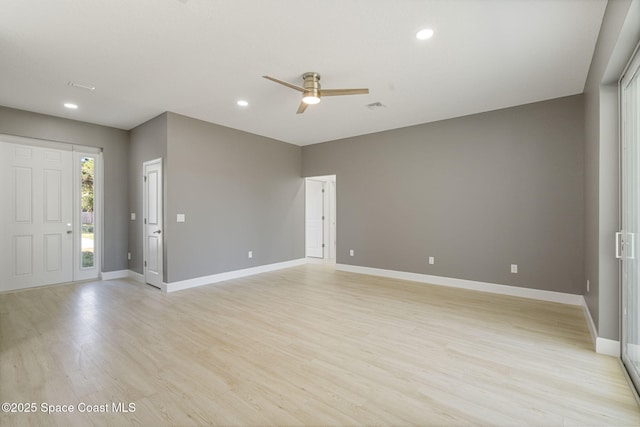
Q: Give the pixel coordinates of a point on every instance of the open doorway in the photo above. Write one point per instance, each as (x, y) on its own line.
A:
(320, 217)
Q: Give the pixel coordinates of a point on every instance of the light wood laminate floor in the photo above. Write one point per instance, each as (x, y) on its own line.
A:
(304, 346)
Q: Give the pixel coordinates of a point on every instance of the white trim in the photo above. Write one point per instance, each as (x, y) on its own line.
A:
(473, 285)
(608, 347)
(36, 142)
(118, 274)
(220, 277)
(590, 323)
(325, 261)
(601, 345)
(136, 276)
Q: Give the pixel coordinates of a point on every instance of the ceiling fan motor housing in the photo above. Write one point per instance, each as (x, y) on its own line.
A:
(311, 84)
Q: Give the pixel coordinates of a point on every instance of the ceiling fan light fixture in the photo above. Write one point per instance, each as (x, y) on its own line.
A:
(311, 99)
(311, 92)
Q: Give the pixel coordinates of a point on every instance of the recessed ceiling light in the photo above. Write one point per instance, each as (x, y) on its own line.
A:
(242, 103)
(71, 106)
(425, 34)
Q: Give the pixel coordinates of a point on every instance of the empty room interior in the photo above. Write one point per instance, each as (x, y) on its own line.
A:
(320, 213)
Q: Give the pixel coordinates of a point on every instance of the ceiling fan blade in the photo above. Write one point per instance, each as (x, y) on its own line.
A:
(287, 84)
(340, 92)
(302, 107)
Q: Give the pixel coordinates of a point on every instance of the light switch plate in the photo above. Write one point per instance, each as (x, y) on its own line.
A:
(133, 216)
(180, 218)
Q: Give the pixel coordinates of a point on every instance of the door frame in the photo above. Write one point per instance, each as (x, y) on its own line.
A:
(626, 245)
(76, 151)
(157, 281)
(329, 225)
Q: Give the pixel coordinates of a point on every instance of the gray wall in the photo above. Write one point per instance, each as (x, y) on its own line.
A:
(147, 142)
(114, 143)
(478, 193)
(618, 36)
(239, 192)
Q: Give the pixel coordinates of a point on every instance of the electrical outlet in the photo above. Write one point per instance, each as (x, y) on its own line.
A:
(587, 285)
(432, 260)
(250, 254)
(514, 268)
(350, 252)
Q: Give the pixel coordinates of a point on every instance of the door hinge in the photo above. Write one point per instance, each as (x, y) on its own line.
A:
(145, 263)
(323, 245)
(323, 190)
(145, 178)
(145, 220)
(323, 217)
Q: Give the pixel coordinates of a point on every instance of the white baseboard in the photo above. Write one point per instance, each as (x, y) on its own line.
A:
(608, 347)
(314, 260)
(220, 277)
(136, 276)
(473, 285)
(590, 323)
(601, 345)
(110, 275)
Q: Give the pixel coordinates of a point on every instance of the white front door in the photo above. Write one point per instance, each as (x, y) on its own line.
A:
(36, 217)
(314, 218)
(153, 222)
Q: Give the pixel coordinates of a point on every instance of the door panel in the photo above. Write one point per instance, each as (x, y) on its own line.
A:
(152, 215)
(314, 211)
(36, 222)
(22, 256)
(52, 195)
(22, 194)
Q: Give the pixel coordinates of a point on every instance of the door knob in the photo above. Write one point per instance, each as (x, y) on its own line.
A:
(157, 232)
(69, 231)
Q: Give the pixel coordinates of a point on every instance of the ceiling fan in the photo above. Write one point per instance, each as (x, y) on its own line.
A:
(311, 91)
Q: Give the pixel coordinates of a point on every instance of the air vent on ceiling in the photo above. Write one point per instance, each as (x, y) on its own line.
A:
(82, 86)
(376, 105)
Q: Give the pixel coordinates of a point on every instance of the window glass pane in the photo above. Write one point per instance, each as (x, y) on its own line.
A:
(86, 211)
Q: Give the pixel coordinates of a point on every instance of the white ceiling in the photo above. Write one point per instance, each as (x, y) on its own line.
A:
(198, 57)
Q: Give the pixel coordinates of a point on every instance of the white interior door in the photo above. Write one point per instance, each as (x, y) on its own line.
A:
(332, 219)
(152, 195)
(314, 218)
(36, 216)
